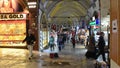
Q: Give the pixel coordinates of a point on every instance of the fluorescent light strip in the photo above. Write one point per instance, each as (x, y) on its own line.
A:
(31, 3)
(32, 6)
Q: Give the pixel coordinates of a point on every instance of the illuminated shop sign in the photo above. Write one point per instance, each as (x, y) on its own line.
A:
(12, 16)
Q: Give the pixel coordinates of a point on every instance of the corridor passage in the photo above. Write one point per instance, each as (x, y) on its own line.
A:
(68, 58)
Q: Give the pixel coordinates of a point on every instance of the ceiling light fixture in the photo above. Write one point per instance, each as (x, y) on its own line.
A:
(32, 4)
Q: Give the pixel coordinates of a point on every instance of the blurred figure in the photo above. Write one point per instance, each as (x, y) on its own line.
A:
(86, 37)
(92, 40)
(101, 45)
(73, 41)
(51, 43)
(87, 41)
(91, 48)
(60, 43)
(93, 43)
(30, 39)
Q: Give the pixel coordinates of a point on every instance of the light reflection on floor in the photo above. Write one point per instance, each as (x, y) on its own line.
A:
(10, 52)
(69, 58)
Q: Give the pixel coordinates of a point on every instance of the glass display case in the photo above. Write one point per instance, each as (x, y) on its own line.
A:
(43, 39)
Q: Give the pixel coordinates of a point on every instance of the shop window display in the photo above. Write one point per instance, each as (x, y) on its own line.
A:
(12, 32)
(12, 23)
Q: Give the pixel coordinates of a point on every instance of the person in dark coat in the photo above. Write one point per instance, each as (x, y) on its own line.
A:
(30, 39)
(91, 48)
(73, 41)
(60, 42)
(101, 45)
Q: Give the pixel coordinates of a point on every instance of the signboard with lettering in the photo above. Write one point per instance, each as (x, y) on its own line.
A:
(12, 16)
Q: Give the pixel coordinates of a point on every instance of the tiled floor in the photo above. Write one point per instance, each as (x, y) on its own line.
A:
(68, 58)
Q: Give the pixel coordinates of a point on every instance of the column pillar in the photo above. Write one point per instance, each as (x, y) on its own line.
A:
(115, 31)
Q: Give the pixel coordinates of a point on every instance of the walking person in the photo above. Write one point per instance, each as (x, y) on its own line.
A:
(30, 39)
(91, 48)
(51, 43)
(73, 41)
(101, 45)
(92, 41)
(60, 44)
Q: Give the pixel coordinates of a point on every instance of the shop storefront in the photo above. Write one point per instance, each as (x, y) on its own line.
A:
(12, 23)
(13, 29)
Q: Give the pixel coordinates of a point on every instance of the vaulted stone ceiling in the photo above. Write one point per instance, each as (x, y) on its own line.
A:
(65, 10)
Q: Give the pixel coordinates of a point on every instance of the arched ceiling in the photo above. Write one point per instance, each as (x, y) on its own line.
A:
(65, 10)
(70, 7)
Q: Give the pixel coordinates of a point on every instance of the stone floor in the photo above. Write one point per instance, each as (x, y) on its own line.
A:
(68, 58)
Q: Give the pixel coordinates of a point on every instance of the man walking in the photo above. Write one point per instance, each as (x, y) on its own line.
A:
(101, 45)
(30, 39)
